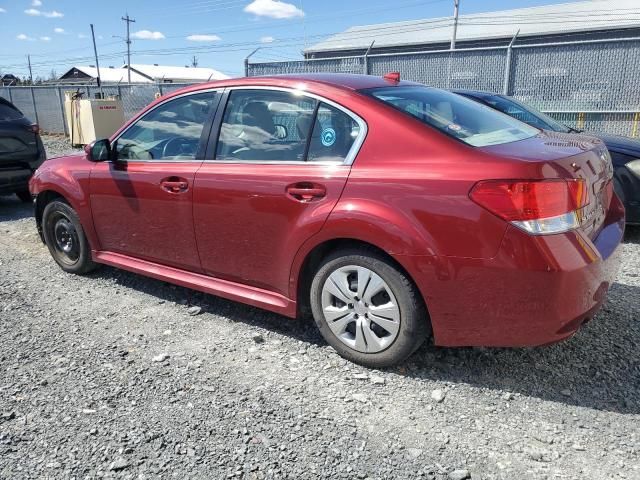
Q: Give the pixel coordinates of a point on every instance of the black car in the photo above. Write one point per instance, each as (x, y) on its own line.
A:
(21, 151)
(625, 152)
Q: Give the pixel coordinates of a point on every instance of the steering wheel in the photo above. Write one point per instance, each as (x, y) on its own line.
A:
(175, 147)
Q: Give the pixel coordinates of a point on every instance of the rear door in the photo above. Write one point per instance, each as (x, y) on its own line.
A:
(142, 202)
(276, 166)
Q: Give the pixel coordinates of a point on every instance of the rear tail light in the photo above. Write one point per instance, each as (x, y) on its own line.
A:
(537, 206)
(34, 128)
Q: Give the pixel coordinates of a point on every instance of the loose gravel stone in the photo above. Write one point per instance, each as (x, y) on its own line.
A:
(70, 344)
(193, 311)
(459, 475)
(438, 395)
(161, 358)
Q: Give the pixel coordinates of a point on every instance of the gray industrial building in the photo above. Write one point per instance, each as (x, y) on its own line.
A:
(576, 21)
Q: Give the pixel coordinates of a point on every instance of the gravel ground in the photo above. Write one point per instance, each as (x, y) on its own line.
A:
(117, 376)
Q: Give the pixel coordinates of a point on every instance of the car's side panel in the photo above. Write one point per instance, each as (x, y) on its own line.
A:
(204, 283)
(248, 228)
(69, 178)
(134, 214)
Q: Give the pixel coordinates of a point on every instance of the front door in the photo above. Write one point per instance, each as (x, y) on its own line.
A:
(142, 202)
(281, 163)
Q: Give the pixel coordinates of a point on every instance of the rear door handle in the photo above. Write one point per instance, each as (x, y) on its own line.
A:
(306, 191)
(174, 184)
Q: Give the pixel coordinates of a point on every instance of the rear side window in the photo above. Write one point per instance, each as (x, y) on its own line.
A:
(334, 133)
(9, 112)
(475, 124)
(281, 126)
(265, 125)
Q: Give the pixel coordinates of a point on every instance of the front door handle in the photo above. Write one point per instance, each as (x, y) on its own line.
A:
(174, 184)
(306, 192)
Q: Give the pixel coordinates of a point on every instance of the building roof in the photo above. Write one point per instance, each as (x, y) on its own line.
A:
(110, 75)
(591, 15)
(158, 72)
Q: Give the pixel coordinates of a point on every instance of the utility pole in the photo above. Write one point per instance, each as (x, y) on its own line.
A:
(95, 52)
(194, 62)
(456, 6)
(128, 41)
(30, 72)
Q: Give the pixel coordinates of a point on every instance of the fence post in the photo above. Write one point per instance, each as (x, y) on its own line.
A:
(246, 62)
(366, 58)
(33, 100)
(10, 95)
(507, 66)
(160, 89)
(65, 129)
(88, 92)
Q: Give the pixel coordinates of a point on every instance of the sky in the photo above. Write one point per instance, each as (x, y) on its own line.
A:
(219, 33)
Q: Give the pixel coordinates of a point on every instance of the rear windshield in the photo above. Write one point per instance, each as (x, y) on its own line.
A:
(475, 124)
(9, 112)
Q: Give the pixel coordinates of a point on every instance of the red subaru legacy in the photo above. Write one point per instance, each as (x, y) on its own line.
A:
(390, 210)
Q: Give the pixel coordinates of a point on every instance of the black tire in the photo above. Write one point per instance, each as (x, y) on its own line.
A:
(24, 196)
(62, 229)
(415, 325)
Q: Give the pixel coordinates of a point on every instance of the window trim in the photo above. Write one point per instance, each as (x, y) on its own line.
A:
(217, 124)
(204, 136)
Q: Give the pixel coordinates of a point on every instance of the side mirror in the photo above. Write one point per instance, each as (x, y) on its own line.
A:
(99, 151)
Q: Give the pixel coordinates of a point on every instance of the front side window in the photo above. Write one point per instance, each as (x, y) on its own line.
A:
(171, 131)
(265, 125)
(475, 124)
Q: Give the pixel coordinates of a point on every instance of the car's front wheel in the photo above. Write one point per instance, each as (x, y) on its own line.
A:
(65, 238)
(368, 309)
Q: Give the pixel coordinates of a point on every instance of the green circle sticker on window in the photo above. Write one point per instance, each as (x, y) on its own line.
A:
(328, 137)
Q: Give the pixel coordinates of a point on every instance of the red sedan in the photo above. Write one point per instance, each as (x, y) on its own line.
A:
(390, 210)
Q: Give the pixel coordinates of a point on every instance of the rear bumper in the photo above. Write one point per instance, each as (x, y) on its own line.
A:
(535, 291)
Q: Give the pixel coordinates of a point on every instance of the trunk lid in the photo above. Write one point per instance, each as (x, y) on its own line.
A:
(560, 155)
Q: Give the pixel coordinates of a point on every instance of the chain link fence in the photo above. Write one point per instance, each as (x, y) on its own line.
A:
(45, 104)
(590, 85)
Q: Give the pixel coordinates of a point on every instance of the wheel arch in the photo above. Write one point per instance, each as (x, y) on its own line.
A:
(313, 257)
(43, 198)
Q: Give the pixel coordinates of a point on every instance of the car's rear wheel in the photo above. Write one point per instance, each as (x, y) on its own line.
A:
(65, 238)
(368, 309)
(24, 196)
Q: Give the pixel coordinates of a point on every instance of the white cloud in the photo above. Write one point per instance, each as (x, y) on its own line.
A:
(34, 12)
(45, 39)
(36, 3)
(267, 39)
(59, 30)
(148, 35)
(273, 9)
(2, 10)
(203, 38)
(24, 37)
(82, 35)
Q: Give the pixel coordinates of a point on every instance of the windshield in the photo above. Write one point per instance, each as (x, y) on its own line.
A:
(525, 113)
(475, 124)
